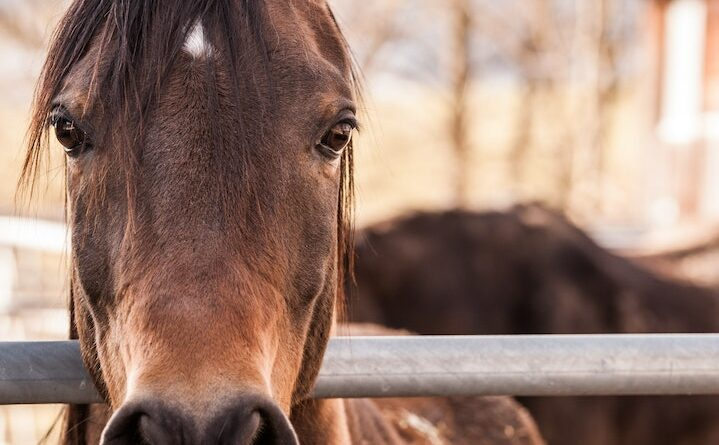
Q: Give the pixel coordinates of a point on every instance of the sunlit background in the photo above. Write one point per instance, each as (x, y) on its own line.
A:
(605, 109)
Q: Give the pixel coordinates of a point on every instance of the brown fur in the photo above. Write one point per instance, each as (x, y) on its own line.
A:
(208, 228)
(432, 421)
(530, 271)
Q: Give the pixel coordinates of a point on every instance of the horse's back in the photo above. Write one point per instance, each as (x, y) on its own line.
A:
(531, 271)
(457, 421)
(437, 420)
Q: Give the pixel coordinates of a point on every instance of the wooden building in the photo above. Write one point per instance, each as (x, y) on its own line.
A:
(684, 153)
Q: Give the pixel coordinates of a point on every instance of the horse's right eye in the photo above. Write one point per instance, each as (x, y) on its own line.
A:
(73, 139)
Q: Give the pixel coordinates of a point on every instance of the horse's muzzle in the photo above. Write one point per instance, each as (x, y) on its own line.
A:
(250, 420)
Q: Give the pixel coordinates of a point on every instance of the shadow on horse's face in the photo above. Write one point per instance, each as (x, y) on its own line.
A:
(207, 151)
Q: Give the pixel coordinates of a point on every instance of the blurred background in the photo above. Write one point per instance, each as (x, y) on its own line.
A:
(606, 110)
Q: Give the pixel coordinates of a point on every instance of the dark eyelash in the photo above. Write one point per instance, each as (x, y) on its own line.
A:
(352, 121)
(60, 112)
(57, 113)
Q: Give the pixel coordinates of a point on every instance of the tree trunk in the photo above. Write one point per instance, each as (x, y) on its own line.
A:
(460, 81)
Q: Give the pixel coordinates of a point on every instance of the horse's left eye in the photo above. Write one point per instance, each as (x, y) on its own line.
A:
(336, 140)
(73, 139)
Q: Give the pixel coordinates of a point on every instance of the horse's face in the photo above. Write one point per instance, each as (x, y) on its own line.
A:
(205, 237)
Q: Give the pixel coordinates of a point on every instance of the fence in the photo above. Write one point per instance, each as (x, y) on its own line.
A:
(52, 372)
(31, 275)
(560, 365)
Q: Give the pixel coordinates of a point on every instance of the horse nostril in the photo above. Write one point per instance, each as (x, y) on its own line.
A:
(253, 420)
(143, 425)
(151, 432)
(240, 429)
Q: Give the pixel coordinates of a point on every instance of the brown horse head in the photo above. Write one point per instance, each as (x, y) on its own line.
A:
(208, 162)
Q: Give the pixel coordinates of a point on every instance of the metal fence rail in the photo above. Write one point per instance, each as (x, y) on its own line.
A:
(51, 372)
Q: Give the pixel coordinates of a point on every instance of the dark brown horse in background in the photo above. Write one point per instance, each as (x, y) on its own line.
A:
(530, 271)
(209, 173)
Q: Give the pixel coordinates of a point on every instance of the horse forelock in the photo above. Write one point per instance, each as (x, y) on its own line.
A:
(135, 43)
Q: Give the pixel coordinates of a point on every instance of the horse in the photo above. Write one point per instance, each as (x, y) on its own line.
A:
(208, 179)
(529, 270)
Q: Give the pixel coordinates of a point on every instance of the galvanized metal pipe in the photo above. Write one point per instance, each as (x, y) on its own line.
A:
(44, 372)
(549, 365)
(557, 365)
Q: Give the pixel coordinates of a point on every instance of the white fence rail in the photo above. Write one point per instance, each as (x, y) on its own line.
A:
(557, 365)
